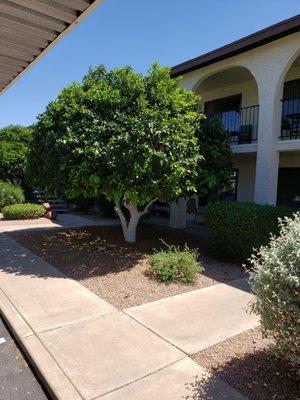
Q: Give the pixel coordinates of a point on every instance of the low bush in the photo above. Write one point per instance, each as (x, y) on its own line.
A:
(275, 280)
(23, 211)
(235, 229)
(175, 265)
(10, 194)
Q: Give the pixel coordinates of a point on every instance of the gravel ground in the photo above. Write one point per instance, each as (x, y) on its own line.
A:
(244, 362)
(99, 259)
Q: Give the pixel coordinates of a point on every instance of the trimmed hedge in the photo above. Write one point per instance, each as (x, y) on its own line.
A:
(275, 281)
(235, 228)
(10, 194)
(23, 211)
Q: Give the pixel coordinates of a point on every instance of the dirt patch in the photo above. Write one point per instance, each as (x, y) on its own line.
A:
(100, 260)
(245, 362)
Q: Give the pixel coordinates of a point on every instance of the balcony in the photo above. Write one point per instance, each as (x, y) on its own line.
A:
(290, 123)
(241, 124)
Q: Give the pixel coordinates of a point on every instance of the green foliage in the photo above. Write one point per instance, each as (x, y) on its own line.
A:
(235, 229)
(119, 133)
(275, 280)
(14, 147)
(10, 194)
(215, 166)
(23, 211)
(175, 265)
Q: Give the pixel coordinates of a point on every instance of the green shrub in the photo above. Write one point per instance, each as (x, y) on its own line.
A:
(10, 194)
(23, 211)
(235, 229)
(175, 265)
(275, 280)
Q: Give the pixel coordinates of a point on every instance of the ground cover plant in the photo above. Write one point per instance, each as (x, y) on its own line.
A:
(236, 228)
(173, 264)
(10, 194)
(23, 211)
(131, 137)
(275, 280)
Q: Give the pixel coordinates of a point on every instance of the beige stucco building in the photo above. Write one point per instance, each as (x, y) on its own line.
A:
(253, 86)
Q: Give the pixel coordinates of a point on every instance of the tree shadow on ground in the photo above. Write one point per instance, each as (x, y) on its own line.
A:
(258, 376)
(209, 388)
(97, 250)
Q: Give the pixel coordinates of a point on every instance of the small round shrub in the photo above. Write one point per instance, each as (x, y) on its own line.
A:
(175, 265)
(23, 211)
(10, 194)
(235, 228)
(275, 280)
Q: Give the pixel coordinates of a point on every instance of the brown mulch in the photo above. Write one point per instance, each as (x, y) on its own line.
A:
(246, 363)
(118, 272)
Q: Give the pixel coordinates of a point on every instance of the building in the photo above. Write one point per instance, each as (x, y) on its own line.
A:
(253, 86)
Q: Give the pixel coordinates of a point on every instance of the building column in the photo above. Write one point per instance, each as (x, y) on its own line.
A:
(178, 214)
(267, 161)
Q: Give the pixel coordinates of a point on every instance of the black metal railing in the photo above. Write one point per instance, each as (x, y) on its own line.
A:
(241, 124)
(290, 121)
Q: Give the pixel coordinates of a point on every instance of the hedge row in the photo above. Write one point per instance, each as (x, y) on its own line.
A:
(23, 211)
(10, 194)
(235, 228)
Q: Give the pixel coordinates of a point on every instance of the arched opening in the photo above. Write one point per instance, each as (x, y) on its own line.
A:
(290, 126)
(288, 190)
(231, 95)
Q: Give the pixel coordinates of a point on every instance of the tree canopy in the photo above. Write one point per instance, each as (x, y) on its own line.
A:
(14, 147)
(214, 168)
(122, 134)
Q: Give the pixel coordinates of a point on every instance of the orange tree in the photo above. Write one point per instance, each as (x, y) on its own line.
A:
(122, 134)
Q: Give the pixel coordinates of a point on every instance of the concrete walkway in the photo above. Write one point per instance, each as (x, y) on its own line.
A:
(195, 320)
(62, 221)
(85, 349)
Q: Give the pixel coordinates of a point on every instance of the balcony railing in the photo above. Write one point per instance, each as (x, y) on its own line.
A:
(241, 124)
(290, 123)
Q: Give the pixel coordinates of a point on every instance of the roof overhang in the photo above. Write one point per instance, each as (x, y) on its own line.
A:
(29, 28)
(267, 35)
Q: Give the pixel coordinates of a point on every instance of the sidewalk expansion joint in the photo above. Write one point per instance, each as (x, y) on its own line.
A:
(139, 379)
(75, 322)
(155, 333)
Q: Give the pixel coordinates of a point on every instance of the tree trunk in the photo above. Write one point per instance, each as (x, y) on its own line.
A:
(129, 228)
(130, 234)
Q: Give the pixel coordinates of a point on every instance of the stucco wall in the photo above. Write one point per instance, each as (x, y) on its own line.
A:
(289, 160)
(248, 89)
(293, 73)
(263, 62)
(245, 164)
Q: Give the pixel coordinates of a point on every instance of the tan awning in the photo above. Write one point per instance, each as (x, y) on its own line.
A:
(28, 28)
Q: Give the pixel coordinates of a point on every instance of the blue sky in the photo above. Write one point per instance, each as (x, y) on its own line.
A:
(137, 32)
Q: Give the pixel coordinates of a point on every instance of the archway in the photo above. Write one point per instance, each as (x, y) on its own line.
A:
(232, 96)
(290, 89)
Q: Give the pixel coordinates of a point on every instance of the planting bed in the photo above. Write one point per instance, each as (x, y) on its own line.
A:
(99, 259)
(245, 362)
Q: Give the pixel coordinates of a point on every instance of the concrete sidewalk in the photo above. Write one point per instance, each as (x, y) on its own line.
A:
(62, 221)
(195, 320)
(83, 348)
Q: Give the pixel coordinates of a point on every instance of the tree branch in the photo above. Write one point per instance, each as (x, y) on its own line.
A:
(146, 209)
